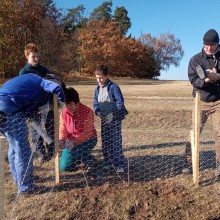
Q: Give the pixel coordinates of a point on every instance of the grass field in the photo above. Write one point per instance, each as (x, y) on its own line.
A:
(153, 186)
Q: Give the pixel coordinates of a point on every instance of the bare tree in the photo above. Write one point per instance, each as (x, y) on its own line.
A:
(167, 49)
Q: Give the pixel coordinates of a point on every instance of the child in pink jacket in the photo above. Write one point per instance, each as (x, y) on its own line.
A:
(77, 133)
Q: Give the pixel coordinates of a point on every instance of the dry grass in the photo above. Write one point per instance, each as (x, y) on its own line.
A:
(153, 187)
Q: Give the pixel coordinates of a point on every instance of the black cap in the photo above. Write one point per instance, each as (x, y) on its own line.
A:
(211, 37)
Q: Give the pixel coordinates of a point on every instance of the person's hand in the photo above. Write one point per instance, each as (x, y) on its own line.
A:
(212, 76)
(109, 118)
(62, 144)
(208, 71)
(99, 114)
(69, 144)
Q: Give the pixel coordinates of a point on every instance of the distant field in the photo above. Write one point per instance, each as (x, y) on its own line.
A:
(153, 186)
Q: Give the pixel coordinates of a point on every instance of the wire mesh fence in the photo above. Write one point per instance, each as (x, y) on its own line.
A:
(152, 184)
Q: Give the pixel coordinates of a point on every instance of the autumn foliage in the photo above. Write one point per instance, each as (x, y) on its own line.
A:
(71, 42)
(102, 42)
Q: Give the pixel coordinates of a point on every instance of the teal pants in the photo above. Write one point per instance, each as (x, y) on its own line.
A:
(79, 154)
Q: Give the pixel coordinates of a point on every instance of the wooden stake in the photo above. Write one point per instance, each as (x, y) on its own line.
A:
(196, 151)
(2, 174)
(56, 141)
(193, 152)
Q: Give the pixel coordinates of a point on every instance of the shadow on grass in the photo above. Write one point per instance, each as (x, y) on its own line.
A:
(158, 146)
(138, 168)
(164, 145)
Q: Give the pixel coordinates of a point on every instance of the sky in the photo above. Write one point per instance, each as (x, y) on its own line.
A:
(187, 20)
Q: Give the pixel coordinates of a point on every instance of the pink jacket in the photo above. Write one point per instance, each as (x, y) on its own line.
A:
(78, 126)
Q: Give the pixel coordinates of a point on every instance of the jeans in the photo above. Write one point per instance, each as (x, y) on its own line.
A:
(112, 143)
(19, 153)
(79, 154)
(45, 118)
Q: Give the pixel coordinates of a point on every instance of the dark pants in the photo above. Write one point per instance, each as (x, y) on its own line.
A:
(112, 143)
(79, 154)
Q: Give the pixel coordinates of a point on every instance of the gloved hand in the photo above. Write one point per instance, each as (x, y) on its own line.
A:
(109, 118)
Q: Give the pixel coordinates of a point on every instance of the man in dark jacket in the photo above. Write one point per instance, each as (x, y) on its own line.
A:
(204, 75)
(19, 96)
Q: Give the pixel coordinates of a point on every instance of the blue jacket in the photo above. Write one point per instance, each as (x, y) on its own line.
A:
(115, 95)
(28, 92)
(38, 70)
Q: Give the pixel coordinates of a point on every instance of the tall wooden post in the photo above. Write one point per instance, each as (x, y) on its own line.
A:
(56, 141)
(2, 174)
(196, 146)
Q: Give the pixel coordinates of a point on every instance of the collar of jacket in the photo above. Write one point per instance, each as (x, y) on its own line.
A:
(28, 65)
(108, 81)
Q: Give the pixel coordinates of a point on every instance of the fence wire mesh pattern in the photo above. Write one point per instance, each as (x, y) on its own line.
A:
(97, 180)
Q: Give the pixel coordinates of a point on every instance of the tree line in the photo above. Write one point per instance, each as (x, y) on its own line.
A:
(69, 41)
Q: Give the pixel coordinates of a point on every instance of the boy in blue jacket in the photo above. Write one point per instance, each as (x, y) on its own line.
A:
(109, 106)
(20, 96)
